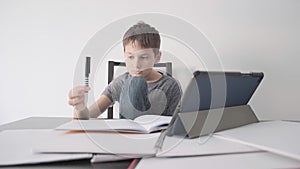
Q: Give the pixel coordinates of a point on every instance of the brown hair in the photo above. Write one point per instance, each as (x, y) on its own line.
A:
(144, 34)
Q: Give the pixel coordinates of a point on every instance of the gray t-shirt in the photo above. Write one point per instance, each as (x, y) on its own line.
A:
(168, 85)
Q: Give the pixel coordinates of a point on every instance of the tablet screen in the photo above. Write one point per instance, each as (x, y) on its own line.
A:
(209, 90)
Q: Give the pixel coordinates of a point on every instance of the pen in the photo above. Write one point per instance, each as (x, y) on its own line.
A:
(87, 70)
(86, 76)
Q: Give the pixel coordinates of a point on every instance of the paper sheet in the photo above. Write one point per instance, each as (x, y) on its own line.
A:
(100, 142)
(207, 145)
(16, 148)
(281, 137)
(232, 161)
(98, 158)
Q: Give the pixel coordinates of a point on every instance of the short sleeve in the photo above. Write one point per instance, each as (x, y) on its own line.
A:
(113, 90)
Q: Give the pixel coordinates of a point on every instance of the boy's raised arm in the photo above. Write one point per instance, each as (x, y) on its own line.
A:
(76, 99)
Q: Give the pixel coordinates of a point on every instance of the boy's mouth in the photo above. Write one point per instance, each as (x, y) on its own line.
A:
(136, 73)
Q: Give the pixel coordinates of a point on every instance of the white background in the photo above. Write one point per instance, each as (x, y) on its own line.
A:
(41, 40)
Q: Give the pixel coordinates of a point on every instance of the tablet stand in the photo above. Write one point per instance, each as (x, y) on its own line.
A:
(200, 123)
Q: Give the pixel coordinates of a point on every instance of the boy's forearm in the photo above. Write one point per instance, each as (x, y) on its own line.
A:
(82, 114)
(95, 110)
(85, 113)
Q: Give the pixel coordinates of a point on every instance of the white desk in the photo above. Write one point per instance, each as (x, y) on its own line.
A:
(241, 160)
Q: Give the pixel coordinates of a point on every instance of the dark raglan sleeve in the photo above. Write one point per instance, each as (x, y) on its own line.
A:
(173, 95)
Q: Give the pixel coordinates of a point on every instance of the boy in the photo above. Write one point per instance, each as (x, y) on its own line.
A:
(142, 90)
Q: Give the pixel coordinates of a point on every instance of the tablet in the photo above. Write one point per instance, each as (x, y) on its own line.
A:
(209, 90)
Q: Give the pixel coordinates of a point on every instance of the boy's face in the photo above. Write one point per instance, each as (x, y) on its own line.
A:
(139, 61)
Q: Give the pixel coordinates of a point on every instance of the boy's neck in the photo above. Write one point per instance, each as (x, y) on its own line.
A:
(153, 76)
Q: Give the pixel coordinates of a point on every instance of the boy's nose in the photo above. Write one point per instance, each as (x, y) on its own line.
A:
(137, 63)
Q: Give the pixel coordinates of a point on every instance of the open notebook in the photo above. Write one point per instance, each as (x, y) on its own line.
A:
(141, 124)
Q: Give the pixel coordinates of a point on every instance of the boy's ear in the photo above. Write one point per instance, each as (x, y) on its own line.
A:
(157, 57)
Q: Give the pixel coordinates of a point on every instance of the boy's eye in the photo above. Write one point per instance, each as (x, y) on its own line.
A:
(144, 56)
(131, 57)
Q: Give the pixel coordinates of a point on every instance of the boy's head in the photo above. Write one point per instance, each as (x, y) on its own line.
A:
(143, 34)
(141, 44)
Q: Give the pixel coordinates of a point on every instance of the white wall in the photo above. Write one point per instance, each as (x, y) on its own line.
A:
(40, 42)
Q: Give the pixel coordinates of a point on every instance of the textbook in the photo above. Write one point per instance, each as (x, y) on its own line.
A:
(141, 124)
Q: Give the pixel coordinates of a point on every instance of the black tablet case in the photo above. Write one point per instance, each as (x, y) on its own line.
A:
(215, 101)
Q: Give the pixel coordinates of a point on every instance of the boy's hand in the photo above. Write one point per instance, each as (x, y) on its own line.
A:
(76, 97)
